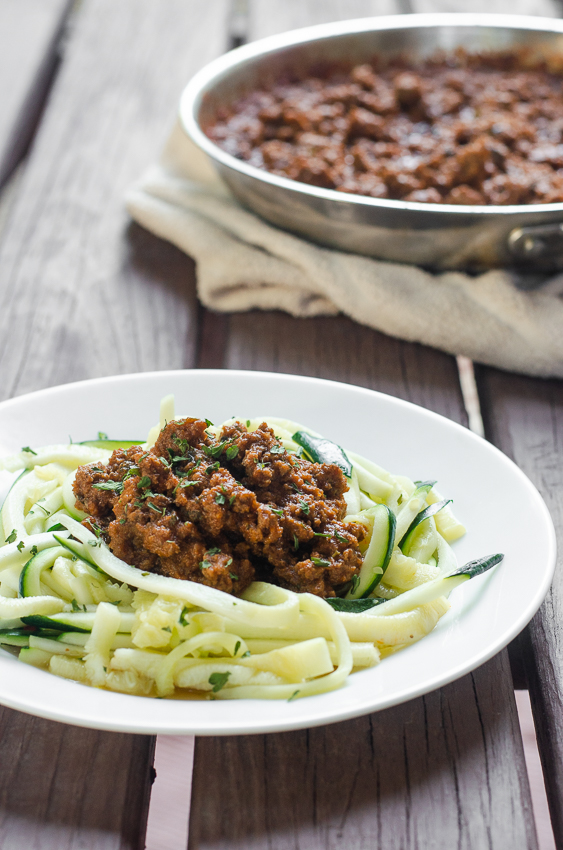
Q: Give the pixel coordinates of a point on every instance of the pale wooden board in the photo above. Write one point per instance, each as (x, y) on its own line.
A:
(29, 34)
(83, 293)
(524, 418)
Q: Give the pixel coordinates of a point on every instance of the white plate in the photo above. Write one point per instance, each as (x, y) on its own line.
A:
(500, 507)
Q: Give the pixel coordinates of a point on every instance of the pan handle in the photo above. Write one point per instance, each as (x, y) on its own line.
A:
(539, 243)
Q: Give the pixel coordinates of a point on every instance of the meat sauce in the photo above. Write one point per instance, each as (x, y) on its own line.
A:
(224, 512)
(455, 129)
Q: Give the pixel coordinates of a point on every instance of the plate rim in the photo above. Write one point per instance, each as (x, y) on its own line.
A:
(263, 726)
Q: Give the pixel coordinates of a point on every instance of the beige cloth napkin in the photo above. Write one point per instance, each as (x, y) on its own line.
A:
(244, 263)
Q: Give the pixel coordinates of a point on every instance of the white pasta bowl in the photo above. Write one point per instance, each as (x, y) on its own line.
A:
(492, 497)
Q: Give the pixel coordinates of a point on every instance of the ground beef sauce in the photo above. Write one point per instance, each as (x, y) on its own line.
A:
(456, 129)
(224, 512)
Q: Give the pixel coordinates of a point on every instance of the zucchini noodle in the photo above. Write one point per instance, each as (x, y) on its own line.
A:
(70, 606)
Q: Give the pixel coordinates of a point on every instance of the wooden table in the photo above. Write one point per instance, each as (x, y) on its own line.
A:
(89, 92)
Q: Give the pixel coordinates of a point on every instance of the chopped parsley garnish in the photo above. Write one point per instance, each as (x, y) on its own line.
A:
(304, 507)
(232, 499)
(295, 542)
(209, 423)
(57, 527)
(166, 629)
(248, 423)
(212, 468)
(229, 562)
(231, 452)
(204, 565)
(340, 538)
(215, 450)
(237, 647)
(277, 450)
(220, 499)
(321, 534)
(293, 695)
(11, 536)
(75, 605)
(218, 680)
(102, 435)
(320, 562)
(31, 452)
(182, 618)
(115, 486)
(34, 550)
(154, 507)
(131, 472)
(96, 528)
(234, 578)
(186, 483)
(277, 511)
(144, 483)
(245, 654)
(20, 546)
(214, 551)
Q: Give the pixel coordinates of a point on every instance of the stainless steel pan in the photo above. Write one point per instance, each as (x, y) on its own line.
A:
(439, 236)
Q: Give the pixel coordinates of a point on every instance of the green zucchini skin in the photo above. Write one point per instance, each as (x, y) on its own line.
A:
(65, 624)
(76, 549)
(353, 606)
(73, 621)
(479, 566)
(321, 450)
(420, 517)
(15, 637)
(30, 575)
(385, 523)
(111, 445)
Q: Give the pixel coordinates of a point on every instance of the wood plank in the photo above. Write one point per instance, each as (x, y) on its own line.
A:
(30, 32)
(409, 777)
(63, 787)
(545, 8)
(524, 418)
(267, 18)
(85, 293)
(453, 758)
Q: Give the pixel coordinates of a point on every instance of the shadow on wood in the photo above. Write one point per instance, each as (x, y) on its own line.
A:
(380, 781)
(58, 779)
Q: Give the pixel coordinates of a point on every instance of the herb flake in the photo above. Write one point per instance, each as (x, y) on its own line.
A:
(218, 680)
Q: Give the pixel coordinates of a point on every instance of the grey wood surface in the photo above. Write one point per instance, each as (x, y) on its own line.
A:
(30, 32)
(524, 418)
(546, 8)
(438, 772)
(91, 294)
(443, 771)
(64, 788)
(84, 293)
